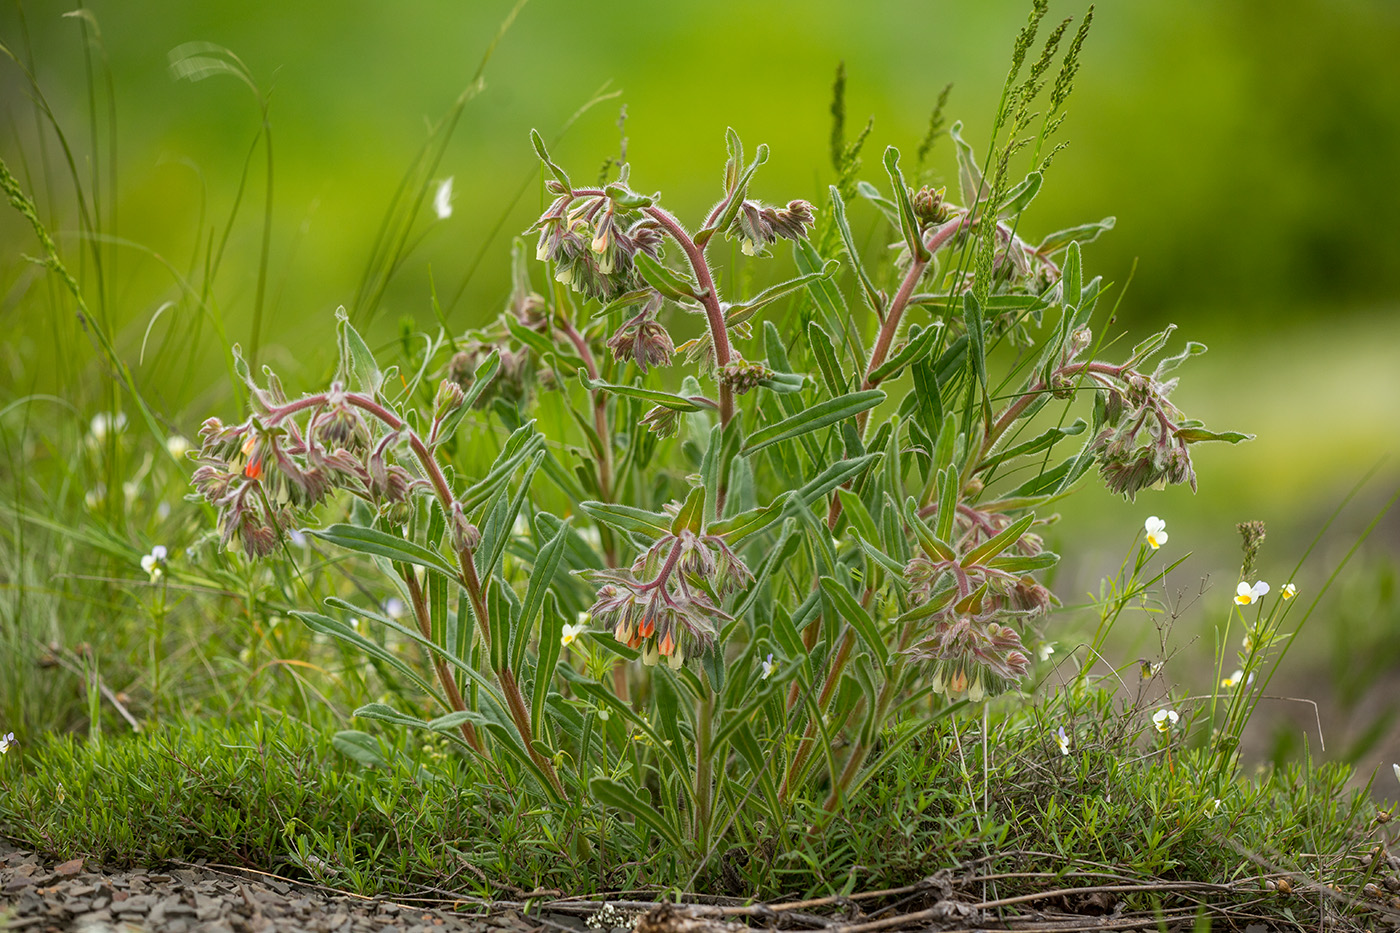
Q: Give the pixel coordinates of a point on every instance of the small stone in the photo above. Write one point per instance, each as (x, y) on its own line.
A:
(70, 868)
(139, 904)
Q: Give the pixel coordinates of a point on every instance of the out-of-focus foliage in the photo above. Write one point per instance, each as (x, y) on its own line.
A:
(1244, 147)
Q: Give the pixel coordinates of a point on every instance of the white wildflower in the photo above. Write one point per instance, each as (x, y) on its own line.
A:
(1156, 532)
(442, 201)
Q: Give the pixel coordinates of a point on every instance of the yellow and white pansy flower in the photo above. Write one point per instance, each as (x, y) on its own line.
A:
(1246, 594)
(1156, 532)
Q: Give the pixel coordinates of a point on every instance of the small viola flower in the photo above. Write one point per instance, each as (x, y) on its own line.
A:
(1396, 767)
(1164, 719)
(154, 562)
(1246, 594)
(442, 201)
(1045, 650)
(1156, 533)
(1229, 683)
(1288, 591)
(1062, 740)
(1149, 669)
(769, 666)
(574, 630)
(6, 741)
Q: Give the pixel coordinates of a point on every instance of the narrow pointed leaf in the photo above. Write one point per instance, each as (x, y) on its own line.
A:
(811, 419)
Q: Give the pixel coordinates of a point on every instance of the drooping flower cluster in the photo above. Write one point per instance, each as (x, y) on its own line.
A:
(262, 474)
(591, 240)
(975, 653)
(758, 226)
(668, 602)
(1139, 444)
(642, 339)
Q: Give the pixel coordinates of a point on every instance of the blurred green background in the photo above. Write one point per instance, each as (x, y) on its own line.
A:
(1247, 149)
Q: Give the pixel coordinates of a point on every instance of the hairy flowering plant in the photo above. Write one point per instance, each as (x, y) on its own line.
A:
(818, 503)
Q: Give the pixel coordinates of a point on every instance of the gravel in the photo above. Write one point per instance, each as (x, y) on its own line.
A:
(37, 896)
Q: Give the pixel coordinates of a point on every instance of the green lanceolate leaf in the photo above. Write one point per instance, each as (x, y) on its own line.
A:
(999, 542)
(385, 713)
(970, 183)
(619, 797)
(853, 507)
(825, 354)
(933, 544)
(520, 447)
(382, 544)
(550, 646)
(360, 746)
(691, 516)
(628, 518)
(811, 419)
(664, 399)
(543, 347)
(867, 288)
(1071, 277)
(1043, 442)
(357, 366)
(1020, 197)
(486, 370)
(735, 193)
(747, 524)
(1084, 233)
(919, 345)
(1016, 563)
(908, 221)
(665, 280)
(835, 475)
(744, 310)
(325, 625)
(854, 613)
(538, 142)
(1195, 435)
(541, 580)
(710, 466)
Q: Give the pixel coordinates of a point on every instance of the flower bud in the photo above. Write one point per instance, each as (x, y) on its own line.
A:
(465, 535)
(929, 206)
(742, 376)
(448, 399)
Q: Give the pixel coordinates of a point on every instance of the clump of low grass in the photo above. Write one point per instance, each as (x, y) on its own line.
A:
(1123, 823)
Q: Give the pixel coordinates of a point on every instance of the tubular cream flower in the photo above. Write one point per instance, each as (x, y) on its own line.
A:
(154, 562)
(1062, 740)
(769, 666)
(1164, 719)
(442, 201)
(1288, 591)
(1246, 594)
(6, 741)
(1156, 532)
